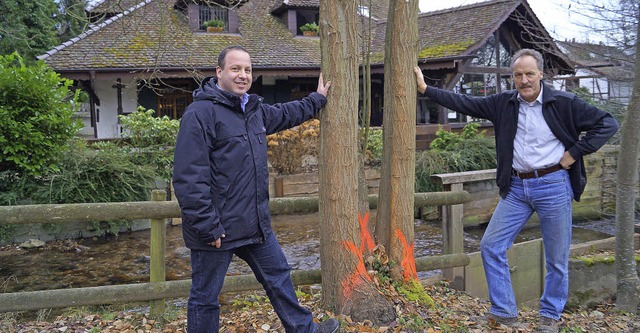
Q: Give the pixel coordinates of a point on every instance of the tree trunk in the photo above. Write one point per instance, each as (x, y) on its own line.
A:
(628, 292)
(346, 285)
(394, 227)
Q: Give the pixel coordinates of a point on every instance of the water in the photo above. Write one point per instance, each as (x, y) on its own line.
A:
(108, 261)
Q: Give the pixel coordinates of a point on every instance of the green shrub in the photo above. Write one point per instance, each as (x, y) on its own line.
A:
(452, 152)
(102, 173)
(310, 27)
(36, 109)
(151, 140)
(374, 146)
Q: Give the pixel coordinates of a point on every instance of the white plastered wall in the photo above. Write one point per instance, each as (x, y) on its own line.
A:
(108, 110)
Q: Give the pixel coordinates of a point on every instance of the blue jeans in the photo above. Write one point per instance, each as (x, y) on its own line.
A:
(270, 268)
(550, 196)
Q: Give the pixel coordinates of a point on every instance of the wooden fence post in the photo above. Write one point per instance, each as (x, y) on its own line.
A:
(453, 237)
(157, 246)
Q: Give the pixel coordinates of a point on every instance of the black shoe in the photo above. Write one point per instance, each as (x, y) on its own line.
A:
(330, 325)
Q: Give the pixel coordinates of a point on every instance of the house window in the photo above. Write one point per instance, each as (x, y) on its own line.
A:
(306, 16)
(486, 55)
(213, 12)
(173, 105)
(476, 85)
(302, 88)
(363, 10)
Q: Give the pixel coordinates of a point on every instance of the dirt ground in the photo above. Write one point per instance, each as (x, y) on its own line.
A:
(453, 311)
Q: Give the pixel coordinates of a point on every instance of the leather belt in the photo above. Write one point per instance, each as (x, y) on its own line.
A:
(536, 173)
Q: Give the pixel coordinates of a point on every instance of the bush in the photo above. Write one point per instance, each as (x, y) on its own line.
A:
(36, 109)
(374, 147)
(102, 173)
(452, 152)
(286, 149)
(151, 140)
(313, 27)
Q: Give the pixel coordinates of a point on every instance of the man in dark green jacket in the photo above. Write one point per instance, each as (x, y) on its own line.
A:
(540, 149)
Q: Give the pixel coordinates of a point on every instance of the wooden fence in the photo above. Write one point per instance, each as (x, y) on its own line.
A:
(158, 210)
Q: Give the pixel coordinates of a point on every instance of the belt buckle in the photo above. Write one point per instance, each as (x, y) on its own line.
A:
(516, 173)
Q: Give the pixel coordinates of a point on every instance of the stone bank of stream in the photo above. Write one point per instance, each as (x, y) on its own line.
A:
(108, 261)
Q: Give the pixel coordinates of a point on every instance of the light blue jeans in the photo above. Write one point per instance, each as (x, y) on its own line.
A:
(550, 196)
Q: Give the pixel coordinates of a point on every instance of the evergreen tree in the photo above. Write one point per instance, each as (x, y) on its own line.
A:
(28, 27)
(73, 19)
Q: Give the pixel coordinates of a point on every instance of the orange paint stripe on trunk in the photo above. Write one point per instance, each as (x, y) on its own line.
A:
(366, 240)
(408, 262)
(360, 274)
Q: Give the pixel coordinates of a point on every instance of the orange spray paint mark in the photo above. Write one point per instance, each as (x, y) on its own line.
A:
(359, 275)
(408, 263)
(366, 240)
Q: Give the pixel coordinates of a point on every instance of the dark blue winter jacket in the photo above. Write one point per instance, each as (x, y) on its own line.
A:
(220, 174)
(566, 115)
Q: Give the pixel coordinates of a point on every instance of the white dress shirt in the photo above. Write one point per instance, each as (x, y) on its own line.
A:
(535, 147)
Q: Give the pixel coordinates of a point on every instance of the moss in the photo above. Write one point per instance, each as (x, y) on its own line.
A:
(591, 260)
(414, 292)
(444, 50)
(578, 298)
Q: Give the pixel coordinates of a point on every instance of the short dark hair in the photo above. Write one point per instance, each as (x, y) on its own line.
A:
(529, 52)
(226, 50)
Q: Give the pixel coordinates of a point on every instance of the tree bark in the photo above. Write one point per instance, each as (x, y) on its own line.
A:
(346, 286)
(628, 286)
(394, 227)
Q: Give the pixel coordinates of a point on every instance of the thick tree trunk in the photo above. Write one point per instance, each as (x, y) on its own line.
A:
(628, 287)
(346, 286)
(394, 227)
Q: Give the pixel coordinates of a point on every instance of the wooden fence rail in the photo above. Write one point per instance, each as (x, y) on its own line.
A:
(157, 289)
(138, 292)
(63, 213)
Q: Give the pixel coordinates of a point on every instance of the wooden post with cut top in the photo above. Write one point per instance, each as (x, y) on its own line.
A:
(157, 251)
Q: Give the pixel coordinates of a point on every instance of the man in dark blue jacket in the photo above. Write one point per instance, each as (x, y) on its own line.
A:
(221, 180)
(540, 169)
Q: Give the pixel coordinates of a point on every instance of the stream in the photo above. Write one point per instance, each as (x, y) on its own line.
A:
(125, 259)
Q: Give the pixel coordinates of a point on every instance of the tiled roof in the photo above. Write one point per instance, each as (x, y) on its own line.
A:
(459, 31)
(379, 8)
(156, 35)
(604, 59)
(113, 6)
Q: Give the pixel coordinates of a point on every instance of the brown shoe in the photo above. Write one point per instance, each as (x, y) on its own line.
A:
(548, 325)
(499, 322)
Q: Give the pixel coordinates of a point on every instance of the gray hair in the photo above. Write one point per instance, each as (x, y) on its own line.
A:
(529, 52)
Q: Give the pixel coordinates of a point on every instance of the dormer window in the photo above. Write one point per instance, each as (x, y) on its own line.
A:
(213, 12)
(306, 16)
(200, 12)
